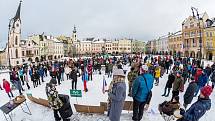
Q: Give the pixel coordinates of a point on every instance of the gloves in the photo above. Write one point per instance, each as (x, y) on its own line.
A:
(182, 111)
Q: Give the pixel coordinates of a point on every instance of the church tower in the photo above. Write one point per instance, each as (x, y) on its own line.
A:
(74, 35)
(15, 37)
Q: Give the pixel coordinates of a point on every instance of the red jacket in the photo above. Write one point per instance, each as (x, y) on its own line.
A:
(198, 73)
(89, 69)
(6, 86)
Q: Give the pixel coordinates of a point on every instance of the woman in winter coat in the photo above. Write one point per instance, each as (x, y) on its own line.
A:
(67, 71)
(157, 74)
(25, 75)
(6, 86)
(116, 95)
(189, 94)
(199, 108)
(171, 79)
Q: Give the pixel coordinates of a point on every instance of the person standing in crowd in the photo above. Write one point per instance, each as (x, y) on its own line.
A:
(90, 71)
(45, 70)
(62, 71)
(167, 65)
(53, 98)
(37, 73)
(58, 75)
(201, 82)
(208, 70)
(141, 92)
(25, 76)
(131, 77)
(17, 81)
(21, 75)
(41, 73)
(177, 84)
(157, 74)
(34, 79)
(189, 94)
(110, 69)
(67, 71)
(6, 86)
(170, 81)
(116, 95)
(199, 108)
(74, 77)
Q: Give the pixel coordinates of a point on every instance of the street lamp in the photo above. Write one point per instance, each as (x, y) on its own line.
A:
(200, 32)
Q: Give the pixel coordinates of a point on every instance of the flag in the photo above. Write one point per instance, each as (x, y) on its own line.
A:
(104, 86)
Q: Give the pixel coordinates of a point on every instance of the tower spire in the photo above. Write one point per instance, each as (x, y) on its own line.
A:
(17, 16)
(74, 31)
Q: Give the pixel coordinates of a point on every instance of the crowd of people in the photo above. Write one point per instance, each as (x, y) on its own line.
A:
(143, 75)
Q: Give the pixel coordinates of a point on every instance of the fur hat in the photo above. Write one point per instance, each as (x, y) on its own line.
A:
(118, 72)
(206, 91)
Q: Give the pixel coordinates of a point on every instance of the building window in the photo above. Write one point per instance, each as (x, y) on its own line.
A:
(23, 53)
(16, 53)
(16, 40)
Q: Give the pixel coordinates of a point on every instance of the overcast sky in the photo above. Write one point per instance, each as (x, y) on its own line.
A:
(139, 19)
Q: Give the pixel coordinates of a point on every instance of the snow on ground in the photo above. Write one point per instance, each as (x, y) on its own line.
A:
(93, 97)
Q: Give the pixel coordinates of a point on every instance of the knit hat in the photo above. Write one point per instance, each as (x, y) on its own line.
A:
(118, 72)
(206, 91)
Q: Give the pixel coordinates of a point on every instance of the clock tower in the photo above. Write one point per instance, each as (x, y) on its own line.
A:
(15, 37)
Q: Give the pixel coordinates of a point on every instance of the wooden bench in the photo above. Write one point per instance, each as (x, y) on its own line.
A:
(89, 109)
(128, 105)
(39, 101)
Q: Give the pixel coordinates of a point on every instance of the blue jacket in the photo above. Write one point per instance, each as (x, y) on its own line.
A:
(41, 72)
(139, 90)
(21, 72)
(197, 110)
(85, 76)
(203, 79)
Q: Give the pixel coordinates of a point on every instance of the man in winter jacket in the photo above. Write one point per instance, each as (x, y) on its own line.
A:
(53, 98)
(208, 70)
(170, 81)
(178, 83)
(132, 75)
(189, 94)
(74, 77)
(140, 92)
(202, 80)
(199, 108)
(41, 73)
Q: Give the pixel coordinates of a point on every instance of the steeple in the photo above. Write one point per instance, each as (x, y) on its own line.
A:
(17, 16)
(74, 31)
